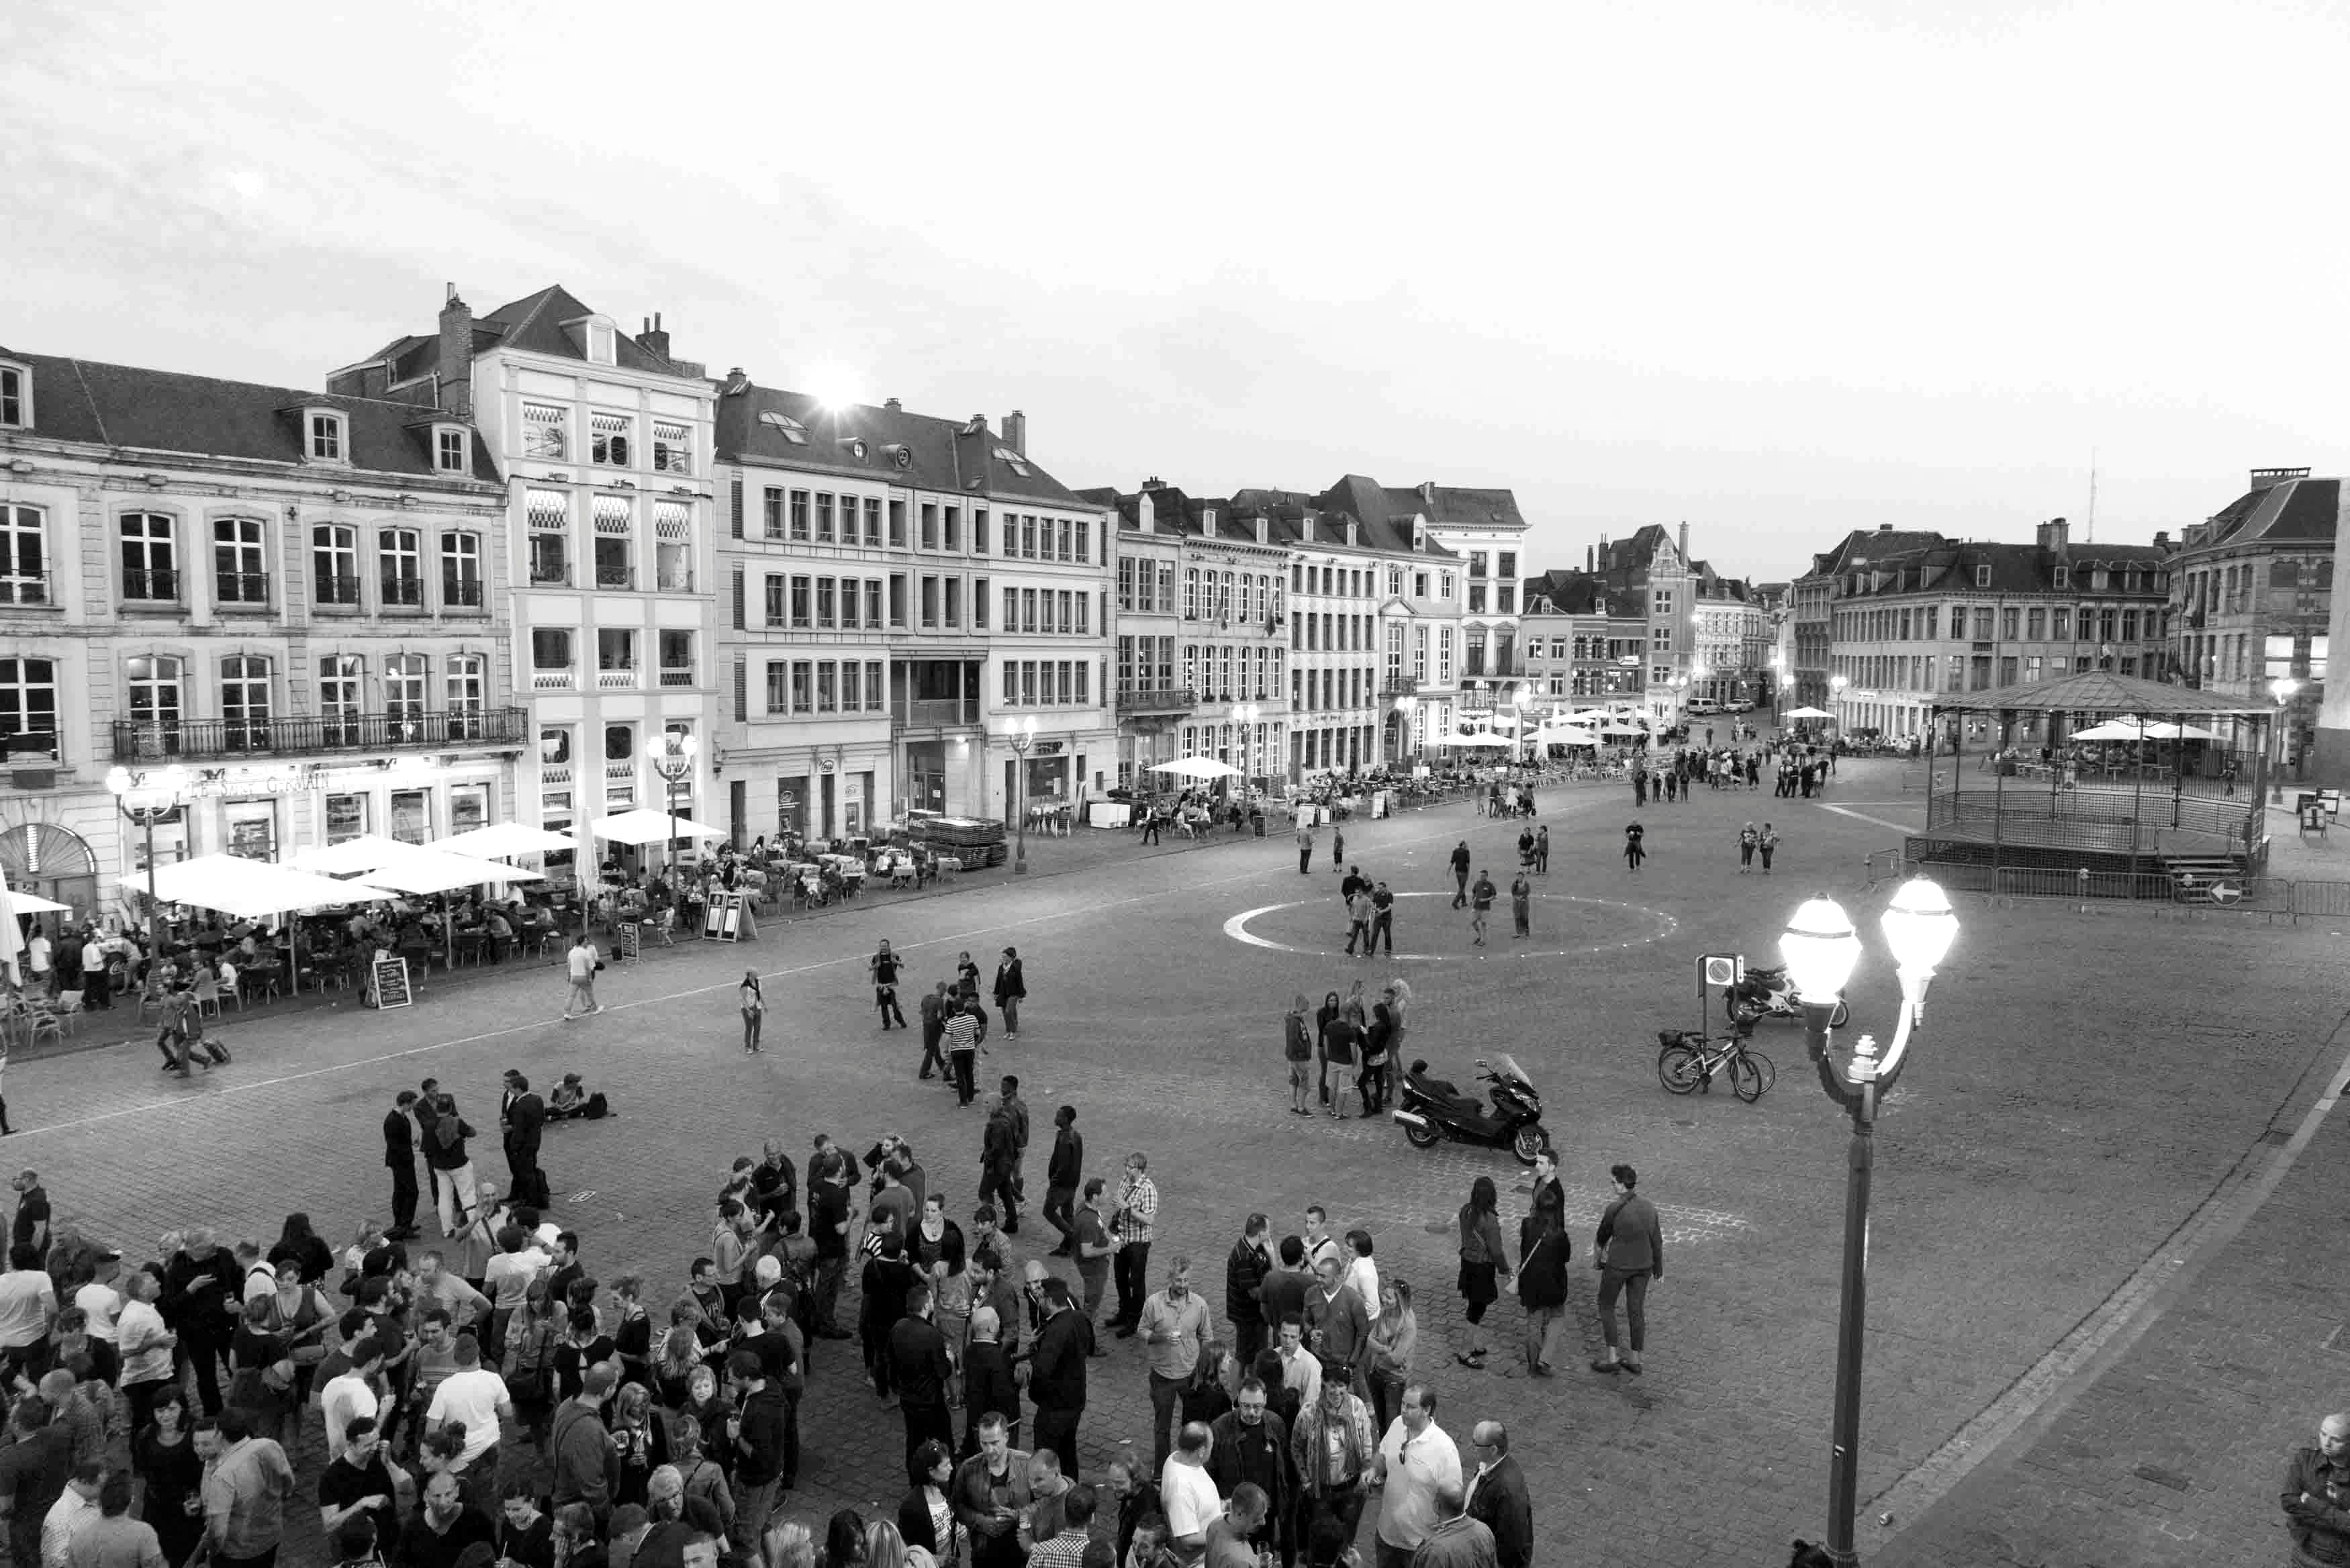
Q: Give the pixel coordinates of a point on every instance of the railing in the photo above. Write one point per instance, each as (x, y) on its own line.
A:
(557, 576)
(24, 588)
(241, 588)
(2087, 818)
(150, 585)
(1155, 698)
(625, 773)
(675, 677)
(615, 577)
(553, 680)
(616, 679)
(335, 588)
(134, 740)
(932, 713)
(403, 591)
(461, 593)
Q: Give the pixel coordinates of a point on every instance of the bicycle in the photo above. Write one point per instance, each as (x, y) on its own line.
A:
(1686, 1062)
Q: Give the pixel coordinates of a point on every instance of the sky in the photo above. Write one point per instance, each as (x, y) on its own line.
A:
(1774, 270)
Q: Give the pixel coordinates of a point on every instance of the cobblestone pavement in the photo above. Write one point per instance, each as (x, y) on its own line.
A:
(2087, 1085)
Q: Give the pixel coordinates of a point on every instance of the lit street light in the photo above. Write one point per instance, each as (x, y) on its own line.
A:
(672, 755)
(1820, 949)
(157, 799)
(1023, 735)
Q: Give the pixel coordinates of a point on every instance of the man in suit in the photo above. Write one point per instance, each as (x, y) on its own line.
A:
(1497, 1496)
(525, 1119)
(400, 1159)
(1010, 987)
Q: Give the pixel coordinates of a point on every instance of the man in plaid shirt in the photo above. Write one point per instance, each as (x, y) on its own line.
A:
(1130, 1228)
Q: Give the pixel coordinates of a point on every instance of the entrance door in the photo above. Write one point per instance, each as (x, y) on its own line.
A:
(737, 799)
(828, 783)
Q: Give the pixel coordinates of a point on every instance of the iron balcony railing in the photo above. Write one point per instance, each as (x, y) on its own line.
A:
(241, 588)
(933, 712)
(337, 587)
(464, 592)
(403, 591)
(150, 585)
(1157, 699)
(410, 731)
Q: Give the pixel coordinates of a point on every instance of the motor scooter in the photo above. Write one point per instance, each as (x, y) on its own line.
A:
(1769, 993)
(1432, 1110)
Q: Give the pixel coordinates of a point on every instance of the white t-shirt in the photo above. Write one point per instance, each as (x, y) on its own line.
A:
(473, 1397)
(38, 949)
(583, 961)
(28, 1301)
(507, 1278)
(103, 1303)
(140, 1329)
(1189, 1498)
(343, 1401)
(1364, 1277)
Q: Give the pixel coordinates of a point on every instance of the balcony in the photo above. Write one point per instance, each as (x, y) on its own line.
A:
(461, 593)
(241, 589)
(619, 579)
(336, 588)
(151, 586)
(673, 676)
(1156, 700)
(24, 588)
(361, 732)
(402, 592)
(933, 713)
(616, 679)
(552, 681)
(550, 573)
(1393, 687)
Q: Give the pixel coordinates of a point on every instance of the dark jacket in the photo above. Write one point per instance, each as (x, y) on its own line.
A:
(1284, 1293)
(914, 1519)
(1009, 981)
(199, 1299)
(1542, 1254)
(759, 1439)
(1630, 1236)
(987, 1382)
(1067, 1167)
(918, 1359)
(1244, 1274)
(586, 1467)
(1056, 1363)
(1000, 1143)
(526, 1120)
(444, 1142)
(399, 1141)
(1258, 1455)
(1499, 1502)
(992, 1539)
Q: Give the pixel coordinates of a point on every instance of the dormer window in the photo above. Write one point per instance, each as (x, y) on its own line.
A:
(1982, 576)
(329, 440)
(2063, 576)
(451, 449)
(601, 346)
(1011, 460)
(15, 396)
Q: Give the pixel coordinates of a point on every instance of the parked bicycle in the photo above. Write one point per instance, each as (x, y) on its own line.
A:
(1686, 1062)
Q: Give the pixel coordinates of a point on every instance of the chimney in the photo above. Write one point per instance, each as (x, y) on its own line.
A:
(2162, 539)
(2263, 478)
(1015, 432)
(457, 356)
(1428, 492)
(892, 405)
(1263, 529)
(1145, 512)
(1885, 527)
(652, 339)
(1684, 543)
(1591, 558)
(2052, 535)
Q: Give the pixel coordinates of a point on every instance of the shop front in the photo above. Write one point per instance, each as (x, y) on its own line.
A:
(814, 791)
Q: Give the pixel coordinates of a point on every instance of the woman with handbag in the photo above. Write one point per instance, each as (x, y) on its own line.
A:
(529, 1368)
(263, 1372)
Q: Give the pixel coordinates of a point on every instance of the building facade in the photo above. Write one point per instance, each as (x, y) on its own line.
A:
(1654, 565)
(605, 441)
(294, 597)
(1731, 647)
(1152, 703)
(1811, 604)
(907, 594)
(1957, 616)
(2252, 602)
(1585, 645)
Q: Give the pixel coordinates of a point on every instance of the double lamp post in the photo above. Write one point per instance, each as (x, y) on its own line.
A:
(1821, 948)
(672, 755)
(145, 800)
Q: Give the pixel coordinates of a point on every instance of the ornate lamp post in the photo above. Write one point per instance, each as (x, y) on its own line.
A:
(1247, 714)
(1023, 735)
(672, 755)
(147, 801)
(1820, 949)
(2282, 689)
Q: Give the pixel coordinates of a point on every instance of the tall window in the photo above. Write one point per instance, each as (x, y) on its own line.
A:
(545, 431)
(672, 450)
(676, 650)
(615, 550)
(23, 557)
(244, 702)
(14, 397)
(404, 678)
(149, 558)
(824, 534)
(340, 676)
(152, 686)
(550, 657)
(400, 557)
(460, 570)
(800, 515)
(672, 546)
(548, 515)
(334, 564)
(607, 439)
(872, 519)
(463, 689)
(28, 705)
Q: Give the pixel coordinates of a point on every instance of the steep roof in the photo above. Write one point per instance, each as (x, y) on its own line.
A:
(2099, 691)
(131, 407)
(959, 457)
(2296, 512)
(1459, 506)
(1950, 565)
(534, 324)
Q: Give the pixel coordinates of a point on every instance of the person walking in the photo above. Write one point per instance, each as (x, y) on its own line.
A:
(1011, 990)
(1521, 906)
(1630, 1252)
(1337, 846)
(884, 966)
(1767, 841)
(1304, 845)
(400, 1159)
(1542, 850)
(1482, 1260)
(582, 962)
(1064, 1168)
(1480, 905)
(754, 1010)
(1133, 1222)
(1297, 1050)
(1359, 919)
(1150, 824)
(936, 1008)
(1634, 851)
(1641, 789)
(1461, 875)
(1747, 840)
(1382, 916)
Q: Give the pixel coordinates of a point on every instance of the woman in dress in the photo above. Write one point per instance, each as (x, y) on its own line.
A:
(632, 1336)
(1521, 910)
(1482, 1260)
(1321, 1017)
(163, 1456)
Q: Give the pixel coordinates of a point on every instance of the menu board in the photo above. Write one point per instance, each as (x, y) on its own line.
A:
(625, 937)
(391, 984)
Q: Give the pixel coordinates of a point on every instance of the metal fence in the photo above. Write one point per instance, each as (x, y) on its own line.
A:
(2272, 898)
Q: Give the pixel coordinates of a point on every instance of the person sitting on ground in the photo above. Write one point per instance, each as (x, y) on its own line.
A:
(570, 1099)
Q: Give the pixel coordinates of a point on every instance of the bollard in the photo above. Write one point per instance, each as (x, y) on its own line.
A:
(2085, 889)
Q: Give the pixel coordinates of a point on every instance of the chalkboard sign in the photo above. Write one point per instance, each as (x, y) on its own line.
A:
(626, 933)
(713, 917)
(391, 984)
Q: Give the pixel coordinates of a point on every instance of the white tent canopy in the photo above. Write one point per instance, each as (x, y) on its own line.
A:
(432, 871)
(645, 825)
(1198, 768)
(1806, 713)
(501, 839)
(25, 903)
(1476, 742)
(252, 888)
(365, 853)
(2167, 731)
(2124, 728)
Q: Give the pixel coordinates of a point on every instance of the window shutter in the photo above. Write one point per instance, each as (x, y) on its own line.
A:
(738, 598)
(738, 506)
(742, 690)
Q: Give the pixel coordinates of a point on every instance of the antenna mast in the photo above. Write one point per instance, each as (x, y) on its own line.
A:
(2092, 496)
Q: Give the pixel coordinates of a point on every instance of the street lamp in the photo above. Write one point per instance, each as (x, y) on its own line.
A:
(1820, 949)
(1246, 713)
(672, 755)
(158, 798)
(1522, 701)
(1023, 733)
(2282, 689)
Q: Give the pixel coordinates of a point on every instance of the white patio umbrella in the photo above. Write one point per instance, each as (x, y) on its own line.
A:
(365, 853)
(645, 825)
(1198, 768)
(2165, 732)
(1485, 741)
(254, 889)
(1618, 727)
(501, 839)
(1589, 716)
(1806, 713)
(25, 903)
(2124, 728)
(425, 871)
(1565, 736)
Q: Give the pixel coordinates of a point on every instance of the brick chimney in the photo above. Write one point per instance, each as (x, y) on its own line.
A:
(2053, 536)
(1684, 543)
(456, 365)
(1015, 432)
(652, 339)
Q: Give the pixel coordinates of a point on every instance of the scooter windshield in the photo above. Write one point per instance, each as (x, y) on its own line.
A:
(1505, 1068)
